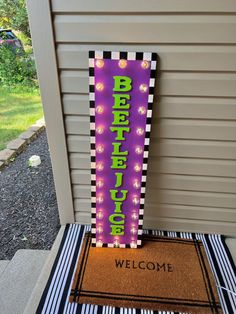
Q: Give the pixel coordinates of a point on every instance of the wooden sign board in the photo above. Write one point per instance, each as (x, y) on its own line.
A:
(121, 97)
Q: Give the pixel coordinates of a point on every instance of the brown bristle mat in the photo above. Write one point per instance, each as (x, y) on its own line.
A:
(168, 274)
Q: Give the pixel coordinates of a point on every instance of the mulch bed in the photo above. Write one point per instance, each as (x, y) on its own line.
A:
(28, 207)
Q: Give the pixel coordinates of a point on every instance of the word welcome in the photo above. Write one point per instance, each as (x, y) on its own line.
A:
(120, 126)
(144, 265)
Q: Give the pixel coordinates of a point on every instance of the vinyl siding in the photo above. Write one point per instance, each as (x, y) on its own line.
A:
(191, 183)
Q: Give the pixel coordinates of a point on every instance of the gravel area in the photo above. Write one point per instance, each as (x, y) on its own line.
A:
(28, 207)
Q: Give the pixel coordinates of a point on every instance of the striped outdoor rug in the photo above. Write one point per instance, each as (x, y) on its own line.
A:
(55, 298)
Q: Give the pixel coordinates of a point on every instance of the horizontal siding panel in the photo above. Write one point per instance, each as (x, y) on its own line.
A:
(191, 225)
(169, 128)
(75, 81)
(196, 108)
(167, 107)
(175, 224)
(83, 218)
(188, 166)
(174, 210)
(81, 191)
(79, 161)
(171, 57)
(182, 198)
(140, 6)
(192, 212)
(84, 204)
(77, 125)
(170, 148)
(193, 166)
(145, 28)
(78, 143)
(195, 129)
(77, 191)
(187, 148)
(169, 84)
(75, 104)
(176, 182)
(80, 177)
(192, 183)
(190, 198)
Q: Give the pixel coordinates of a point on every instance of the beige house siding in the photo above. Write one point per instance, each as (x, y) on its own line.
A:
(192, 167)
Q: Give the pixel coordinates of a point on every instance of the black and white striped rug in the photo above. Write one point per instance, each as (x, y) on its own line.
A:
(55, 298)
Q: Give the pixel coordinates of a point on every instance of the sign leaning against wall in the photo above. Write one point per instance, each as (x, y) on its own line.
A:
(121, 97)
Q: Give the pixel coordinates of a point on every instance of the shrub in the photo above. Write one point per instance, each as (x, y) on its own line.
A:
(16, 68)
(13, 14)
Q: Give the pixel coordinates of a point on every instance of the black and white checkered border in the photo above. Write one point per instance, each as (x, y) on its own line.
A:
(92, 143)
(152, 58)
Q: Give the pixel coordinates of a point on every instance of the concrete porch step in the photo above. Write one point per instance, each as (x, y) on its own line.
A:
(18, 278)
(231, 243)
(3, 265)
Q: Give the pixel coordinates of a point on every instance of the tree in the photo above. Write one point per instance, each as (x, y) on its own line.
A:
(13, 15)
(16, 69)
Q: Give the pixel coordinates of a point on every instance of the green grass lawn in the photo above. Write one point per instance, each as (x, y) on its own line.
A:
(19, 108)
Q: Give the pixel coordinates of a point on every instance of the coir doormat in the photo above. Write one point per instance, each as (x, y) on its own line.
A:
(55, 298)
(166, 274)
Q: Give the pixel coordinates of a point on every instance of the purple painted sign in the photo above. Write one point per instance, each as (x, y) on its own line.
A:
(121, 97)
